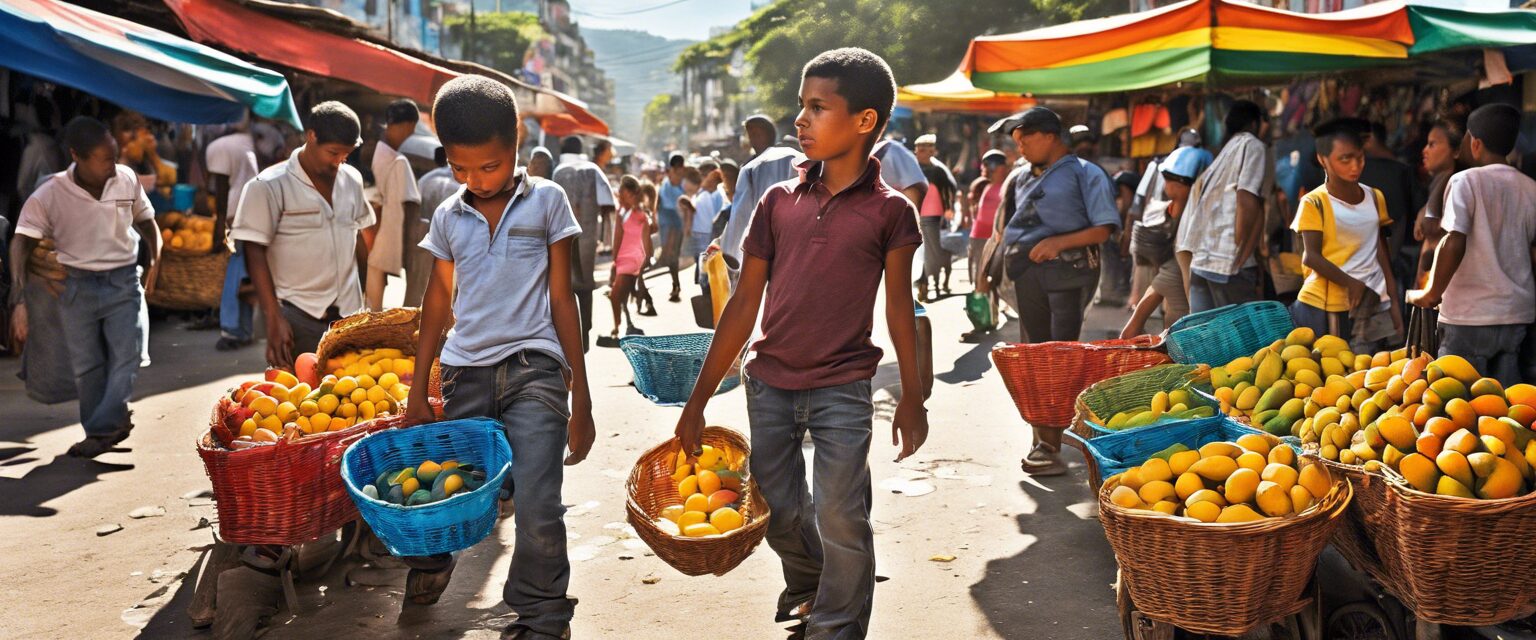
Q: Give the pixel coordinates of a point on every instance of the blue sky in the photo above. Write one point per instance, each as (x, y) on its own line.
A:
(689, 19)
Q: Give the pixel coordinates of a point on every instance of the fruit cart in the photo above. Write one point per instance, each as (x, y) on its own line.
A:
(1249, 577)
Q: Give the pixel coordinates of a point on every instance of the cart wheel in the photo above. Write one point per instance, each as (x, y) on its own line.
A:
(1360, 621)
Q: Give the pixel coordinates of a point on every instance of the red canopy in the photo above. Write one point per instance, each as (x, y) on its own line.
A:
(240, 28)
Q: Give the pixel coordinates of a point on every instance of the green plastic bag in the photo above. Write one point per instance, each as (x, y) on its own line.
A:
(978, 307)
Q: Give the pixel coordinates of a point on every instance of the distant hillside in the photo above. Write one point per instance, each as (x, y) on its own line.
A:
(640, 65)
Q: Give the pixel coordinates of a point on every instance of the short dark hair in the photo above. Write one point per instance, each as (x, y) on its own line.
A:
(334, 123)
(572, 144)
(708, 166)
(474, 110)
(863, 79)
(1244, 115)
(1497, 126)
(1379, 132)
(1454, 127)
(692, 174)
(1346, 130)
(440, 156)
(730, 169)
(600, 146)
(676, 160)
(83, 134)
(401, 110)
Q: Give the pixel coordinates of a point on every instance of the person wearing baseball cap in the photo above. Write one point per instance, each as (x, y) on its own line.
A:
(1051, 245)
(761, 132)
(1153, 238)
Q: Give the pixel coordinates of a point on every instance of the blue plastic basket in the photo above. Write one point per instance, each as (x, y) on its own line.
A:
(666, 367)
(1116, 452)
(1221, 335)
(450, 525)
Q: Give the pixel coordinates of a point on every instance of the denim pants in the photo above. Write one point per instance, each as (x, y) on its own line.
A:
(1241, 287)
(934, 257)
(825, 543)
(103, 317)
(235, 315)
(1493, 350)
(1052, 298)
(527, 393)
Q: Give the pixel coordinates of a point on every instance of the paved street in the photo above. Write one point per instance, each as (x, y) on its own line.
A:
(1030, 561)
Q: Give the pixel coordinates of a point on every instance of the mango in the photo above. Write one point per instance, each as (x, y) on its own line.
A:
(1505, 481)
(1155, 491)
(1273, 499)
(689, 486)
(1187, 485)
(1252, 460)
(1456, 367)
(1301, 499)
(1295, 352)
(1455, 466)
(1238, 513)
(1205, 495)
(1283, 454)
(1463, 442)
(419, 497)
(723, 498)
(697, 502)
(1420, 472)
(1125, 497)
(700, 530)
(1300, 336)
(1131, 478)
(1448, 388)
(1241, 364)
(1220, 449)
(1153, 470)
(1448, 486)
(1391, 456)
(1241, 486)
(1268, 370)
(1179, 462)
(691, 518)
(1247, 399)
(1482, 463)
(1494, 446)
(1277, 395)
(1203, 511)
(1215, 468)
(1283, 475)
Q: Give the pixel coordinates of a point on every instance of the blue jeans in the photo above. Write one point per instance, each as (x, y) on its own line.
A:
(1493, 350)
(103, 317)
(235, 314)
(826, 544)
(527, 393)
(1240, 287)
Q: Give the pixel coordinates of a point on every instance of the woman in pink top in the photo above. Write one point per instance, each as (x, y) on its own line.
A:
(632, 242)
(984, 207)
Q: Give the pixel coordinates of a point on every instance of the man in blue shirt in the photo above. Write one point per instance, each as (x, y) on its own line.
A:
(669, 223)
(1052, 245)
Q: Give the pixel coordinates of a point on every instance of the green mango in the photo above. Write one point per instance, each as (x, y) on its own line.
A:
(422, 496)
(1176, 447)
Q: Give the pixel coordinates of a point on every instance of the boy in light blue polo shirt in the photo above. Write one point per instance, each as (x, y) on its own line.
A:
(504, 243)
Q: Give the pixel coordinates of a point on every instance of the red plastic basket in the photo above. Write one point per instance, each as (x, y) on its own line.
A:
(285, 493)
(1045, 378)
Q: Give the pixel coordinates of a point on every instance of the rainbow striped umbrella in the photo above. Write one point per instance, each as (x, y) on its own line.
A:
(1206, 40)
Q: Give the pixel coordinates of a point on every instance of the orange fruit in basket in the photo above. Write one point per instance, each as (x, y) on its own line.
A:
(688, 487)
(708, 482)
(691, 518)
(730, 480)
(697, 502)
(720, 499)
(726, 519)
(700, 530)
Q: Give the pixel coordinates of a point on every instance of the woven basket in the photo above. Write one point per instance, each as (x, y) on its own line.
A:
(1225, 579)
(1363, 536)
(450, 525)
(284, 493)
(1105, 398)
(1456, 560)
(651, 488)
(1113, 453)
(1221, 335)
(189, 280)
(1044, 378)
(666, 367)
(388, 329)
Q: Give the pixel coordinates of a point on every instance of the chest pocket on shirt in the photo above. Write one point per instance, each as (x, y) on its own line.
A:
(526, 243)
(299, 221)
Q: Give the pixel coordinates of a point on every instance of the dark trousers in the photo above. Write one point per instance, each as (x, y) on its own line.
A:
(527, 393)
(1241, 287)
(306, 328)
(1493, 350)
(1052, 297)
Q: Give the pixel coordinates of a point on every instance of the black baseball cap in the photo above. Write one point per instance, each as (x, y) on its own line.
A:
(676, 159)
(1036, 119)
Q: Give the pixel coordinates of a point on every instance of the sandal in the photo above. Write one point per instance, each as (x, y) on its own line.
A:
(1043, 460)
(425, 587)
(608, 341)
(93, 446)
(798, 612)
(632, 330)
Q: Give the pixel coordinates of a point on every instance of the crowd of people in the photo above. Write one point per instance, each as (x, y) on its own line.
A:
(503, 259)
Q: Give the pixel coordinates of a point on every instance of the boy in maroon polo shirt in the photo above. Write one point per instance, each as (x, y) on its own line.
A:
(823, 242)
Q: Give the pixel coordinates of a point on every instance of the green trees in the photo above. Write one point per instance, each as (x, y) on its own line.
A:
(497, 40)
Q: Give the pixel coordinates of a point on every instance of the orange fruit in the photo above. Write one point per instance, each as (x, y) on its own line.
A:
(709, 482)
(1523, 394)
(1490, 405)
(697, 502)
(720, 499)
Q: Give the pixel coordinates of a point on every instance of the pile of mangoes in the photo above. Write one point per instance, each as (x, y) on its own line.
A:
(1224, 482)
(711, 488)
(425, 483)
(1292, 379)
(1165, 406)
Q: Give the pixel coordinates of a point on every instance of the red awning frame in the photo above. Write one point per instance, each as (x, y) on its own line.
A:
(258, 29)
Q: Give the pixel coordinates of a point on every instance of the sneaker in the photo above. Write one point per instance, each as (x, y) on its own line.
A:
(607, 341)
(92, 446)
(230, 344)
(515, 631)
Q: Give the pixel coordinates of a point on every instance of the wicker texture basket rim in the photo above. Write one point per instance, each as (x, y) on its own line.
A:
(1257, 527)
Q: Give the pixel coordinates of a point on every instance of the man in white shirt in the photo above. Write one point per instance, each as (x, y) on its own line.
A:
(435, 187)
(1223, 224)
(231, 162)
(95, 212)
(769, 166)
(398, 198)
(586, 186)
(303, 222)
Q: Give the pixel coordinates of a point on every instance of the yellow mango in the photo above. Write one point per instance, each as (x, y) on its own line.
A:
(1420, 472)
(1316, 479)
(1455, 466)
(1241, 485)
(1301, 499)
(1300, 336)
(1457, 367)
(1130, 478)
(1224, 449)
(1165, 507)
(1180, 462)
(1254, 442)
(1448, 486)
(1482, 463)
(1282, 455)
(1215, 468)
(1238, 513)
(1247, 399)
(1205, 495)
(1203, 511)
(1155, 470)
(1295, 352)
(1273, 499)
(1251, 460)
(1160, 403)
(1239, 365)
(1187, 485)
(1157, 490)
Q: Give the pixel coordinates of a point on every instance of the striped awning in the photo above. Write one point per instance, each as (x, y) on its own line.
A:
(1198, 40)
(957, 94)
(148, 70)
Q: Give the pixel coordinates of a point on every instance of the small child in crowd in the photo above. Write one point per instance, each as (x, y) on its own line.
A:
(632, 242)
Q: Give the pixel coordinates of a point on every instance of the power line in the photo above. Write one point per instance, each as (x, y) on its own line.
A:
(630, 12)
